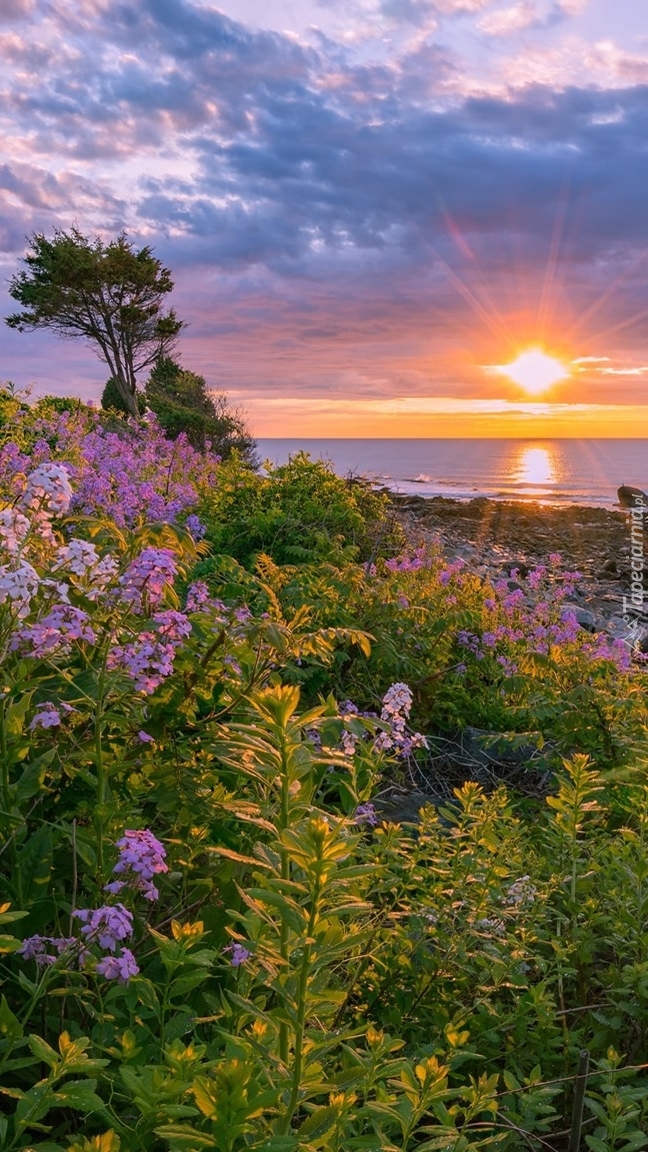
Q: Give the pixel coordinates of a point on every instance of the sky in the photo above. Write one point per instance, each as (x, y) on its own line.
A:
(369, 207)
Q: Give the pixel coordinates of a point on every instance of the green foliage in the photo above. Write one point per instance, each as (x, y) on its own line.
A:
(296, 512)
(182, 403)
(311, 976)
(109, 295)
(112, 399)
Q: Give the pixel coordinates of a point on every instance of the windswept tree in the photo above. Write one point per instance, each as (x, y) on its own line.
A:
(111, 295)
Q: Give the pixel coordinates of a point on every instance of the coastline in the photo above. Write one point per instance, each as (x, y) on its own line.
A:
(494, 537)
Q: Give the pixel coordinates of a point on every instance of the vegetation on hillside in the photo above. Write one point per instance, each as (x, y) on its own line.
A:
(212, 938)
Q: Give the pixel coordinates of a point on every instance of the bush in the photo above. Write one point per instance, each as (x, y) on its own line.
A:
(183, 404)
(297, 512)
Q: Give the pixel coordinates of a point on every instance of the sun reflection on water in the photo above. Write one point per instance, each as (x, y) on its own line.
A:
(535, 468)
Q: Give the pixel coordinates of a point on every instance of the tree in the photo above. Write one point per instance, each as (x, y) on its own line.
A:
(183, 403)
(108, 294)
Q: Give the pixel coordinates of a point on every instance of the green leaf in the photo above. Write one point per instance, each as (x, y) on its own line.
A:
(184, 1136)
(31, 781)
(10, 1025)
(9, 944)
(42, 1051)
(15, 715)
(319, 1122)
(79, 1094)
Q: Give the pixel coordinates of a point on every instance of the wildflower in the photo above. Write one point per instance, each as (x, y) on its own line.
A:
(142, 854)
(239, 954)
(147, 578)
(348, 742)
(144, 737)
(48, 717)
(18, 586)
(521, 892)
(106, 925)
(366, 814)
(197, 596)
(148, 659)
(195, 527)
(81, 559)
(35, 948)
(13, 530)
(48, 487)
(120, 967)
(54, 633)
(398, 698)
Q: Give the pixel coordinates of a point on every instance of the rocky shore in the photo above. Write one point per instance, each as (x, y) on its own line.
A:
(495, 538)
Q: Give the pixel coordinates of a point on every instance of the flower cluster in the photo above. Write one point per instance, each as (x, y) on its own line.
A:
(48, 489)
(396, 706)
(148, 659)
(14, 527)
(93, 573)
(366, 814)
(130, 475)
(108, 927)
(39, 948)
(19, 584)
(55, 633)
(147, 578)
(141, 857)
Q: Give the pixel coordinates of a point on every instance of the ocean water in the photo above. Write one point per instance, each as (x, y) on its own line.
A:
(549, 471)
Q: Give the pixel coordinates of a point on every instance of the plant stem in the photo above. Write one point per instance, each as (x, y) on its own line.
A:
(285, 875)
(6, 800)
(298, 1058)
(101, 779)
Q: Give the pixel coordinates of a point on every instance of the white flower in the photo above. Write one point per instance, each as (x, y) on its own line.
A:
(80, 558)
(13, 529)
(18, 585)
(48, 486)
(397, 699)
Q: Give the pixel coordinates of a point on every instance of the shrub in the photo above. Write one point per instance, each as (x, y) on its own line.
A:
(296, 512)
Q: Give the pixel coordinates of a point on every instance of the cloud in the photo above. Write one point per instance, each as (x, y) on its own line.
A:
(334, 216)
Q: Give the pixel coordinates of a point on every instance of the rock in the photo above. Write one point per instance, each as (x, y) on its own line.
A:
(517, 566)
(513, 586)
(610, 565)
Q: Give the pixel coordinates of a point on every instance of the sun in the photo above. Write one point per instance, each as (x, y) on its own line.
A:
(534, 371)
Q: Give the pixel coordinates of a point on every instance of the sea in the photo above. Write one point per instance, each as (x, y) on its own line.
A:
(553, 472)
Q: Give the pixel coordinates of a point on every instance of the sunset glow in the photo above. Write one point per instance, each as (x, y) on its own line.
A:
(302, 166)
(535, 371)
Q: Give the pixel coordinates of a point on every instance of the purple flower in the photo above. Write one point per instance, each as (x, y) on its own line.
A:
(107, 925)
(148, 659)
(197, 596)
(239, 954)
(366, 814)
(147, 578)
(194, 525)
(143, 856)
(144, 737)
(35, 948)
(54, 633)
(49, 717)
(120, 967)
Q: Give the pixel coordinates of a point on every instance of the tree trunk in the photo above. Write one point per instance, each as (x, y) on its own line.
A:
(127, 393)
